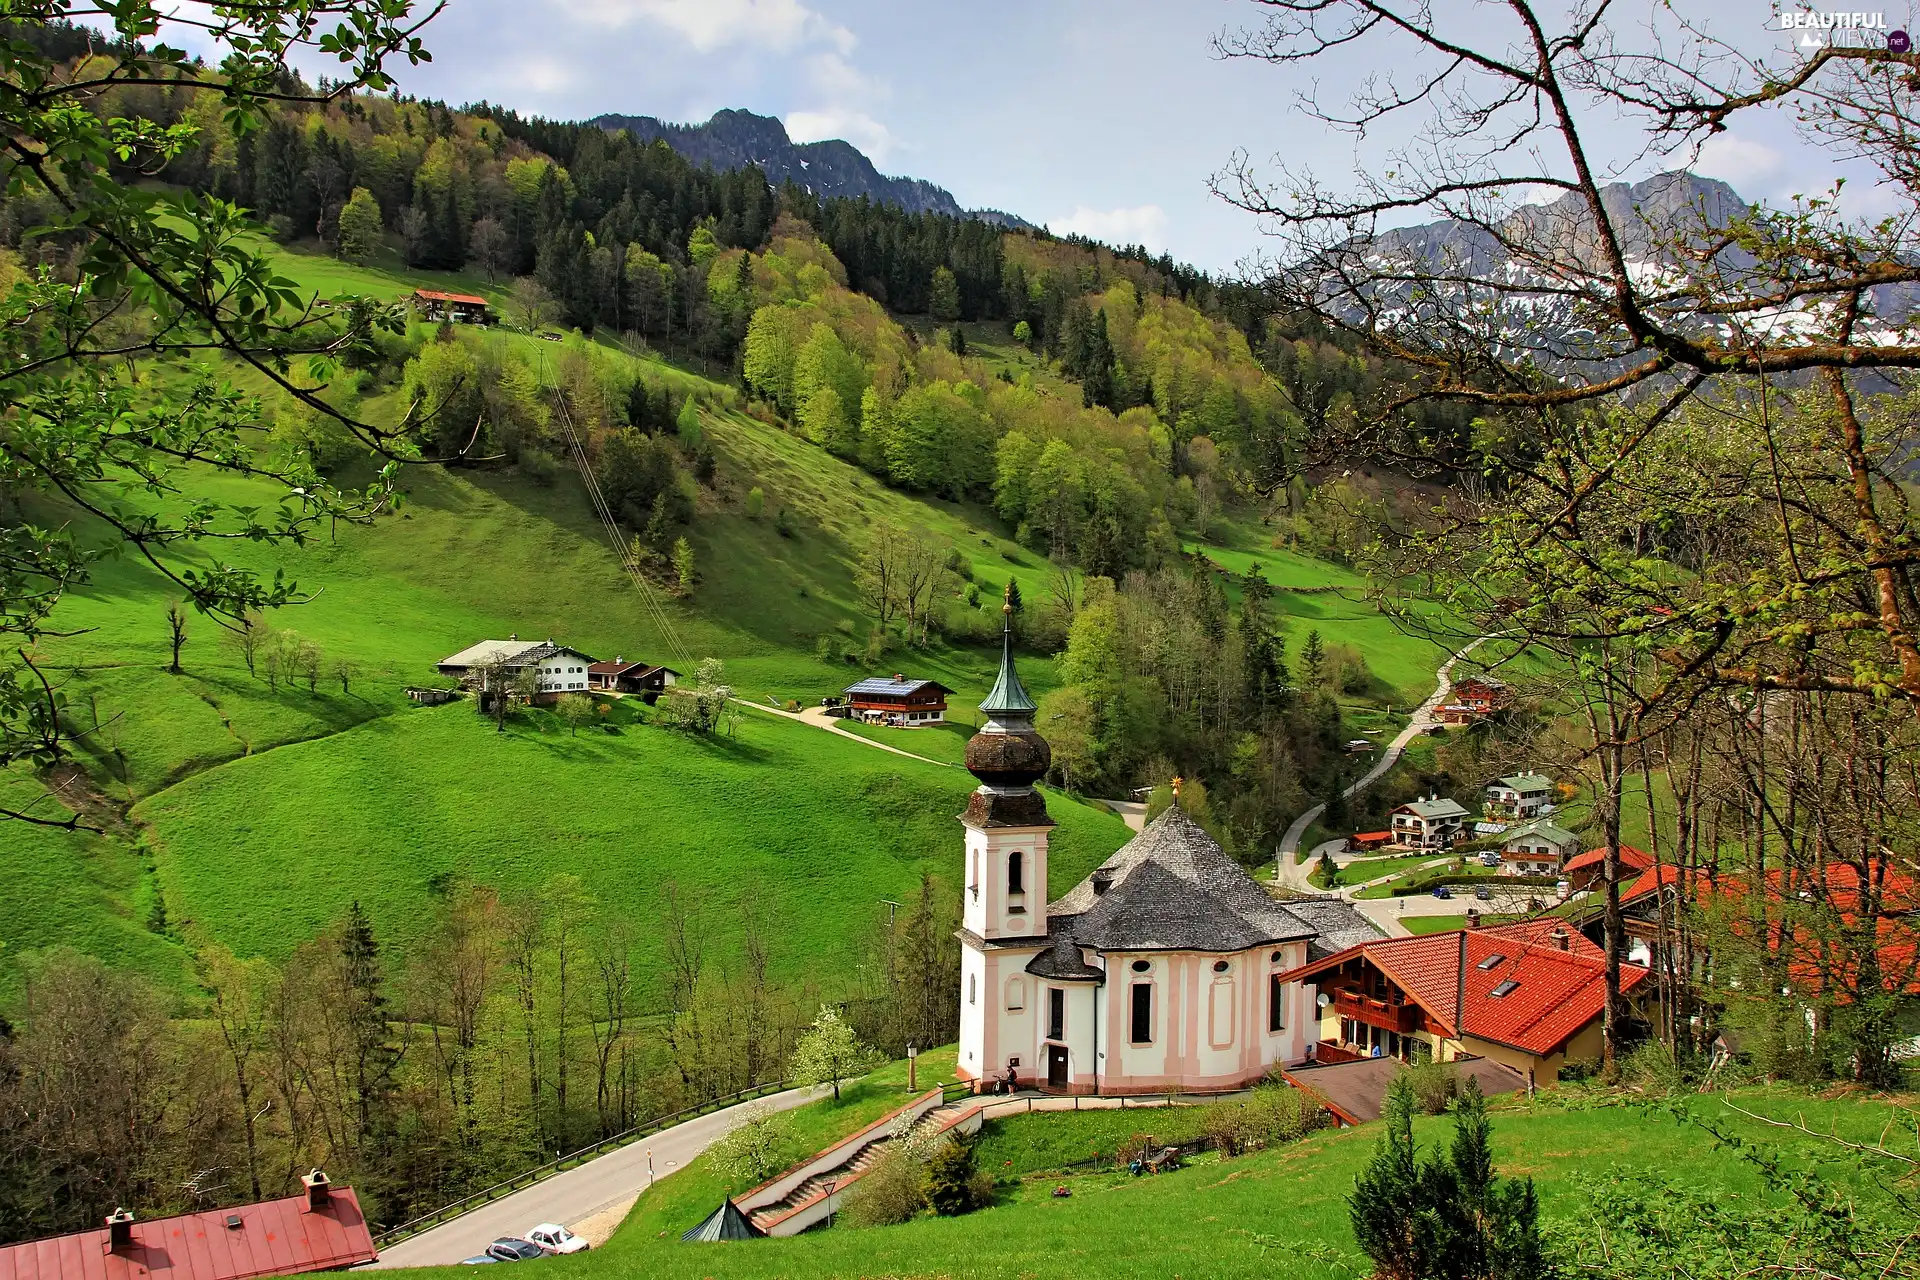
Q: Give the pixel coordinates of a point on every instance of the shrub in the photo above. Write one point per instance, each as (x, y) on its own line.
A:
(1434, 1084)
(1270, 1115)
(538, 466)
(892, 1191)
(953, 1182)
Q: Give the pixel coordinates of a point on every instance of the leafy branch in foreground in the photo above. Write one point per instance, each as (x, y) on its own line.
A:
(95, 459)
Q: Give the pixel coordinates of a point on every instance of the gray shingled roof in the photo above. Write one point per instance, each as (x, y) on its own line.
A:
(1438, 807)
(1064, 962)
(1339, 923)
(1172, 888)
(1526, 783)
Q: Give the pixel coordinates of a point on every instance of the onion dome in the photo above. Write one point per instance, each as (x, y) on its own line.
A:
(1008, 754)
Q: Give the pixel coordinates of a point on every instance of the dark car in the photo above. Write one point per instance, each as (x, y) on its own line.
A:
(1443, 892)
(1483, 893)
(514, 1249)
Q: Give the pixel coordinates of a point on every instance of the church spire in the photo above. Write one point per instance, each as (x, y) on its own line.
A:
(1009, 699)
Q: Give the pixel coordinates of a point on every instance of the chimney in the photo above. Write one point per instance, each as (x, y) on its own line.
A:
(119, 1230)
(319, 1190)
(899, 677)
(1473, 917)
(1560, 939)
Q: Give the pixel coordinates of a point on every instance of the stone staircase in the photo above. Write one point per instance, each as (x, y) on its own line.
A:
(858, 1161)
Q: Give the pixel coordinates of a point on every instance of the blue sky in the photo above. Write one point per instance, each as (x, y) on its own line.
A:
(1103, 117)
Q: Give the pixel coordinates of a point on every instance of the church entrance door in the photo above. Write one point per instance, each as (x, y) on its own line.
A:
(1056, 1066)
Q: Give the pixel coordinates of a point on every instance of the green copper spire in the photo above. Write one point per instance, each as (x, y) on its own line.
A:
(1009, 698)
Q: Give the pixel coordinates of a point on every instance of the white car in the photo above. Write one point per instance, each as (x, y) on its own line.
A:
(555, 1238)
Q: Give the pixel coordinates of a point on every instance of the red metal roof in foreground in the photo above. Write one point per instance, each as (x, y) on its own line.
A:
(276, 1238)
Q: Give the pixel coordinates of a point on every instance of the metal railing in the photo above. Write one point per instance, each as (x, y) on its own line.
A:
(521, 1181)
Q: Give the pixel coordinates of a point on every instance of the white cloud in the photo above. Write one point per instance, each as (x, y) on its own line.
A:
(1144, 224)
(708, 25)
(857, 127)
(1748, 167)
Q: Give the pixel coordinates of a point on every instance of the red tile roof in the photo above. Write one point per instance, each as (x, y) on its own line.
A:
(1631, 859)
(276, 1238)
(434, 295)
(1557, 993)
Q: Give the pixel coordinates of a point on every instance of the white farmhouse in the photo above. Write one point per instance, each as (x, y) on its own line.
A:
(1433, 822)
(1160, 971)
(1538, 849)
(560, 669)
(1519, 798)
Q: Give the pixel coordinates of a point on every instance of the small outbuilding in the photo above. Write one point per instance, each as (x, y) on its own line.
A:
(724, 1223)
(643, 679)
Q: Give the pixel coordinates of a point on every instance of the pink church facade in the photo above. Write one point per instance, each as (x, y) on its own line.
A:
(1159, 972)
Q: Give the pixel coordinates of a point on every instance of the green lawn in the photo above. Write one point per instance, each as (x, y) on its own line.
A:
(1049, 1140)
(946, 743)
(1241, 1219)
(817, 829)
(1365, 869)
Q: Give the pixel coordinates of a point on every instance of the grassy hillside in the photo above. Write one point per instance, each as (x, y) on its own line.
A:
(1271, 1213)
(269, 808)
(820, 829)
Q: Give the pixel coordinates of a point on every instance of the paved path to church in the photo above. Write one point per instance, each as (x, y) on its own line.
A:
(597, 1194)
(1290, 869)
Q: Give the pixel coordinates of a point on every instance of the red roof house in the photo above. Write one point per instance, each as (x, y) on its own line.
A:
(461, 308)
(319, 1230)
(1584, 870)
(1529, 995)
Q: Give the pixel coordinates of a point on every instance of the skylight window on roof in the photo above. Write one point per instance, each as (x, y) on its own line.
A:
(1506, 988)
(1490, 961)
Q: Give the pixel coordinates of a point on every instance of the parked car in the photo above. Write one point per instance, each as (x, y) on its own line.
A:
(1489, 859)
(555, 1238)
(1443, 892)
(514, 1249)
(1483, 893)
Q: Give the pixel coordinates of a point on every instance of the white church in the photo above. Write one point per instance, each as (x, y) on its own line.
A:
(1160, 971)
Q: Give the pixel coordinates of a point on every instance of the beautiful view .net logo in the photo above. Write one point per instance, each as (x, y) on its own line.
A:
(1818, 30)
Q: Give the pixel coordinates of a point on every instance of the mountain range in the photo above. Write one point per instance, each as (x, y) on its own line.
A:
(733, 139)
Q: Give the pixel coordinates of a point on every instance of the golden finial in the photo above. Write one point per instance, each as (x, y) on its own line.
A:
(1176, 786)
(1006, 598)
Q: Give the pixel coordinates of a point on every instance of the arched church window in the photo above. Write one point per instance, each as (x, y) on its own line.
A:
(1016, 994)
(1016, 868)
(972, 994)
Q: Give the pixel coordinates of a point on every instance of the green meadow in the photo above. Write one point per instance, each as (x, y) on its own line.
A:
(1279, 1212)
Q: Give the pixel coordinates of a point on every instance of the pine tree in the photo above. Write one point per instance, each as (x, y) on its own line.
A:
(1391, 1207)
(365, 1011)
(1313, 657)
(1013, 596)
(683, 564)
(688, 423)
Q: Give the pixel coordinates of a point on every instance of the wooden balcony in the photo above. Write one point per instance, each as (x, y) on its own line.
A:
(1388, 1015)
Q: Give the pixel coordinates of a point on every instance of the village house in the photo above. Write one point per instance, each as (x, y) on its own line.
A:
(1470, 698)
(645, 680)
(458, 308)
(1530, 996)
(1537, 849)
(899, 702)
(321, 1229)
(560, 670)
(1588, 870)
(1159, 971)
(1520, 798)
(1433, 822)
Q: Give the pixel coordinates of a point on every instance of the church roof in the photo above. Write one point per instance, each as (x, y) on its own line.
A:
(1172, 888)
(1008, 697)
(1338, 924)
(1063, 962)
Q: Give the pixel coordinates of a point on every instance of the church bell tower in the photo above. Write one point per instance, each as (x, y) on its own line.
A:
(1005, 885)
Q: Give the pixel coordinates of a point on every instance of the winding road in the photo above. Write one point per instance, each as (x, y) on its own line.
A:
(591, 1199)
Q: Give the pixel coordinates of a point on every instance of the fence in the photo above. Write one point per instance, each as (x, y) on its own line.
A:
(520, 1181)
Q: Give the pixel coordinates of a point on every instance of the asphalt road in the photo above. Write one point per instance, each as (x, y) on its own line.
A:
(578, 1194)
(1421, 722)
